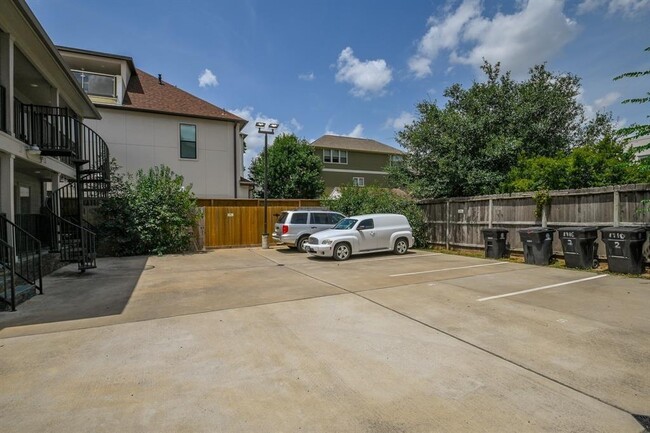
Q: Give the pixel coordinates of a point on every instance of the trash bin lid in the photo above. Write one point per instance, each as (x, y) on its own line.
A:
(624, 229)
(495, 230)
(536, 230)
(578, 229)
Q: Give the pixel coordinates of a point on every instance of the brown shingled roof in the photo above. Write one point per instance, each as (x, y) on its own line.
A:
(145, 93)
(358, 144)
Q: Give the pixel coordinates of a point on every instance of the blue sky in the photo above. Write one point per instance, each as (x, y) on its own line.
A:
(359, 67)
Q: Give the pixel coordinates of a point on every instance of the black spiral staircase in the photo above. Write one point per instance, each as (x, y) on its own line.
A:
(57, 132)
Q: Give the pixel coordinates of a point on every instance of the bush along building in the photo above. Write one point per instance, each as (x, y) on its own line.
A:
(53, 167)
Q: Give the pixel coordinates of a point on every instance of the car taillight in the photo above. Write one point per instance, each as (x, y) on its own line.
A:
(285, 229)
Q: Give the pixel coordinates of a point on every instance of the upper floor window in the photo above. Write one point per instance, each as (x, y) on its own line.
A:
(97, 84)
(188, 141)
(396, 159)
(335, 156)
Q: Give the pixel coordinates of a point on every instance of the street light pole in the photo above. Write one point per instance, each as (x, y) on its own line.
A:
(271, 130)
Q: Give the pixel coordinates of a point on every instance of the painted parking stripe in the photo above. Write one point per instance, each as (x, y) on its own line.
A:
(414, 256)
(449, 269)
(540, 288)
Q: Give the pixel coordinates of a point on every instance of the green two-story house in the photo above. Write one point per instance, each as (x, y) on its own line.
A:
(354, 161)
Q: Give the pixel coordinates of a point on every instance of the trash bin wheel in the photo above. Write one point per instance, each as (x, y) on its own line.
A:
(595, 263)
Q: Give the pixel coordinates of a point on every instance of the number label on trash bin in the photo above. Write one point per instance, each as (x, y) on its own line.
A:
(615, 235)
(568, 235)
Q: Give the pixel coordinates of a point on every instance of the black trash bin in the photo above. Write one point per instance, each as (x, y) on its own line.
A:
(624, 246)
(495, 242)
(579, 246)
(538, 245)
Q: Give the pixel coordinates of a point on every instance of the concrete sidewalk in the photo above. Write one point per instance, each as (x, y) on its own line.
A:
(251, 340)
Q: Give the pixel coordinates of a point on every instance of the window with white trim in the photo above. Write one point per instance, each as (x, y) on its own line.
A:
(188, 141)
(358, 181)
(396, 159)
(335, 156)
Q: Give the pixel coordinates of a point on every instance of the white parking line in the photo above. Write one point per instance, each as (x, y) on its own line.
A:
(449, 269)
(540, 288)
(413, 256)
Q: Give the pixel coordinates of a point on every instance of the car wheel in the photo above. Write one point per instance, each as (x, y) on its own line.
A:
(401, 246)
(301, 243)
(342, 251)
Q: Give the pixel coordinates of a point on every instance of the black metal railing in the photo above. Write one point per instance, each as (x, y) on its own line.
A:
(3, 109)
(70, 234)
(27, 253)
(57, 132)
(8, 279)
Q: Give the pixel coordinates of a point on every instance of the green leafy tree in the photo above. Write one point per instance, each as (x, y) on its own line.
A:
(372, 199)
(636, 130)
(607, 162)
(469, 146)
(150, 213)
(294, 169)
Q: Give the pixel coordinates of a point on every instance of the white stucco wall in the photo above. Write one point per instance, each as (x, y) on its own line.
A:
(140, 140)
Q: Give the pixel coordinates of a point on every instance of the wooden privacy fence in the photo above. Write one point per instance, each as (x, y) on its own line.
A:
(240, 222)
(457, 222)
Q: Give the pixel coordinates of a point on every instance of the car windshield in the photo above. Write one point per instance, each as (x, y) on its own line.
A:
(345, 224)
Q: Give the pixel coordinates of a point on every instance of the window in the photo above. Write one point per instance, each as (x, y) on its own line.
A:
(318, 218)
(335, 156)
(299, 218)
(97, 84)
(358, 181)
(396, 159)
(334, 218)
(188, 141)
(366, 224)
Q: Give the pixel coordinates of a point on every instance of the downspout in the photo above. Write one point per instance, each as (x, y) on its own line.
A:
(234, 145)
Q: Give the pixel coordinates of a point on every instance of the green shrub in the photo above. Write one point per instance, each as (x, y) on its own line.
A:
(358, 201)
(151, 213)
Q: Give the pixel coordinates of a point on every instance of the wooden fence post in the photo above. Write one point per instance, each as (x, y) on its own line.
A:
(448, 219)
(490, 207)
(617, 208)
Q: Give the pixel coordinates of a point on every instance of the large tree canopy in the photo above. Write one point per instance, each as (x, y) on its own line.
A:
(469, 146)
(294, 169)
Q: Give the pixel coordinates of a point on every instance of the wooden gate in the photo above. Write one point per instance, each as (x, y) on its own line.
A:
(239, 222)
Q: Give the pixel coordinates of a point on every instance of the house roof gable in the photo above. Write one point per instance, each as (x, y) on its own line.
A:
(354, 144)
(146, 93)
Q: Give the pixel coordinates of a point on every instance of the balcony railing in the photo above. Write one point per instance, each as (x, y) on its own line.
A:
(3, 109)
(54, 130)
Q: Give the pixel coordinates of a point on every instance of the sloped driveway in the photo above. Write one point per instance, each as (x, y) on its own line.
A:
(269, 340)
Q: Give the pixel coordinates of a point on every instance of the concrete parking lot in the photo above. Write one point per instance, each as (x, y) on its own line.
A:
(252, 340)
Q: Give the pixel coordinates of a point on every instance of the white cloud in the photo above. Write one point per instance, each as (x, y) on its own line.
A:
(529, 36)
(207, 78)
(296, 125)
(255, 140)
(368, 78)
(607, 100)
(399, 122)
(626, 7)
(442, 34)
(357, 132)
(307, 77)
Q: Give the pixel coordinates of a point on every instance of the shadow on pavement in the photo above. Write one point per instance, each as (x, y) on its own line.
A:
(71, 295)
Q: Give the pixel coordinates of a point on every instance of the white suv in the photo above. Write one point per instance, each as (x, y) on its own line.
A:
(363, 234)
(294, 227)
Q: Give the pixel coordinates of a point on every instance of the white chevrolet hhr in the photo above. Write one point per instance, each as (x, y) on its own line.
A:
(363, 234)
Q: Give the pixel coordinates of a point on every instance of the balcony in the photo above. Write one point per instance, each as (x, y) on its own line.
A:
(55, 131)
(101, 88)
